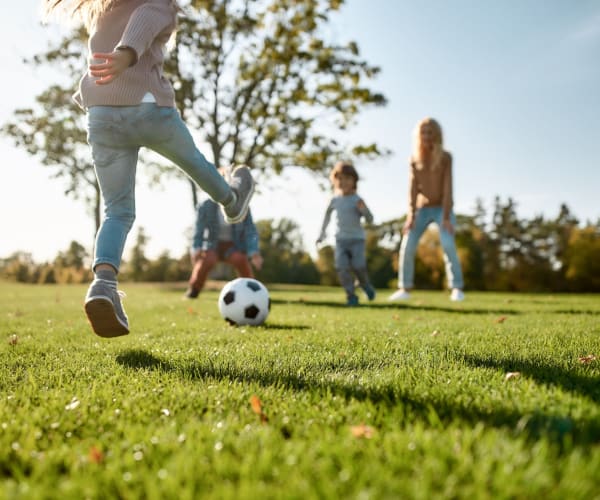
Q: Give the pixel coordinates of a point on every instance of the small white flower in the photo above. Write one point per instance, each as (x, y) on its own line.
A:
(73, 404)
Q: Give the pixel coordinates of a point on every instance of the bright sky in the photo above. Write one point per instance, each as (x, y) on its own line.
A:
(514, 83)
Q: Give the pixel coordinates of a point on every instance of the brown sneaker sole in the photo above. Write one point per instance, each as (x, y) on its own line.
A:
(102, 317)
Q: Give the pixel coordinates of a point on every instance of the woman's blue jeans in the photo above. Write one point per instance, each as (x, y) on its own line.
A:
(408, 249)
(116, 134)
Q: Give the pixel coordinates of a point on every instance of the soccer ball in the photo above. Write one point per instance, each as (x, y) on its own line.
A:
(244, 301)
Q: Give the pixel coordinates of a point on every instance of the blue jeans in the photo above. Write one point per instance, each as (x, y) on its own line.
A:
(350, 260)
(408, 249)
(115, 134)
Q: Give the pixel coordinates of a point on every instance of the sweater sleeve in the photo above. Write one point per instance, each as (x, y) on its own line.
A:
(412, 191)
(366, 213)
(447, 201)
(326, 220)
(146, 23)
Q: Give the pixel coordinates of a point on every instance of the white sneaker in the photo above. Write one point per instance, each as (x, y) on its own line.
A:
(400, 294)
(457, 295)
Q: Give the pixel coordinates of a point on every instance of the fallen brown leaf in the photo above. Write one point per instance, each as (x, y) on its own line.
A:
(95, 455)
(511, 375)
(500, 319)
(256, 406)
(584, 360)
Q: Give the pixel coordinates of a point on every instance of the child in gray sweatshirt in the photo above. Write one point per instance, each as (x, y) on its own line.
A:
(350, 259)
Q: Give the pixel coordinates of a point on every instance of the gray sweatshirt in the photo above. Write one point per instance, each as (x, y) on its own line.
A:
(348, 217)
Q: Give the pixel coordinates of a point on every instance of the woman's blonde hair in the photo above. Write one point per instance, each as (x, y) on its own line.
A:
(343, 168)
(87, 11)
(438, 142)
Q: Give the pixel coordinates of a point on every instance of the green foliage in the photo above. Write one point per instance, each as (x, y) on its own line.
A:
(68, 267)
(379, 261)
(326, 266)
(264, 86)
(380, 401)
(54, 129)
(254, 76)
(508, 253)
(285, 261)
(539, 255)
(583, 259)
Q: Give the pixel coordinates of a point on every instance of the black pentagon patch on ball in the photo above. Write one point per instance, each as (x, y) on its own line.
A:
(251, 312)
(253, 285)
(229, 297)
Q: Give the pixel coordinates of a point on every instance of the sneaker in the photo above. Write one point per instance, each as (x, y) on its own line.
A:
(191, 293)
(457, 295)
(369, 292)
(400, 294)
(352, 301)
(242, 184)
(104, 309)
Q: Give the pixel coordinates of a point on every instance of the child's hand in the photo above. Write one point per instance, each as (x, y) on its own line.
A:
(197, 254)
(257, 261)
(408, 225)
(114, 64)
(447, 225)
(360, 204)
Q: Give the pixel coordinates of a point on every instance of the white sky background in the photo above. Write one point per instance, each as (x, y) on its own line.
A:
(515, 85)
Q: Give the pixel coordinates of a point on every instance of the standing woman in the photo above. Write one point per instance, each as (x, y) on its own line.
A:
(129, 105)
(430, 200)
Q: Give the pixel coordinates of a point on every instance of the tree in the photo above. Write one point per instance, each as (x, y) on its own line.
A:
(256, 76)
(379, 261)
(326, 266)
(138, 263)
(54, 130)
(264, 84)
(285, 261)
(583, 259)
(74, 256)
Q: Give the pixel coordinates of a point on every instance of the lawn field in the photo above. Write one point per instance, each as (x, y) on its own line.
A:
(495, 397)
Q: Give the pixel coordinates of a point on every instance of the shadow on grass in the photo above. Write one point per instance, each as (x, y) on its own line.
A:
(279, 326)
(396, 306)
(435, 411)
(543, 373)
(273, 326)
(575, 311)
(140, 359)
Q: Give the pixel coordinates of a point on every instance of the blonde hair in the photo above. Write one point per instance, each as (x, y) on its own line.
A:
(343, 168)
(87, 11)
(438, 142)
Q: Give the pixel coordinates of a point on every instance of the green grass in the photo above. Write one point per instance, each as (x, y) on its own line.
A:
(165, 412)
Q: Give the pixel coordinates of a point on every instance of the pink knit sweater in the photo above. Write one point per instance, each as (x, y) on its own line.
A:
(144, 26)
(429, 187)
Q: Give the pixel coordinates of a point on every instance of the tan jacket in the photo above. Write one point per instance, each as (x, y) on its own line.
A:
(144, 26)
(430, 187)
